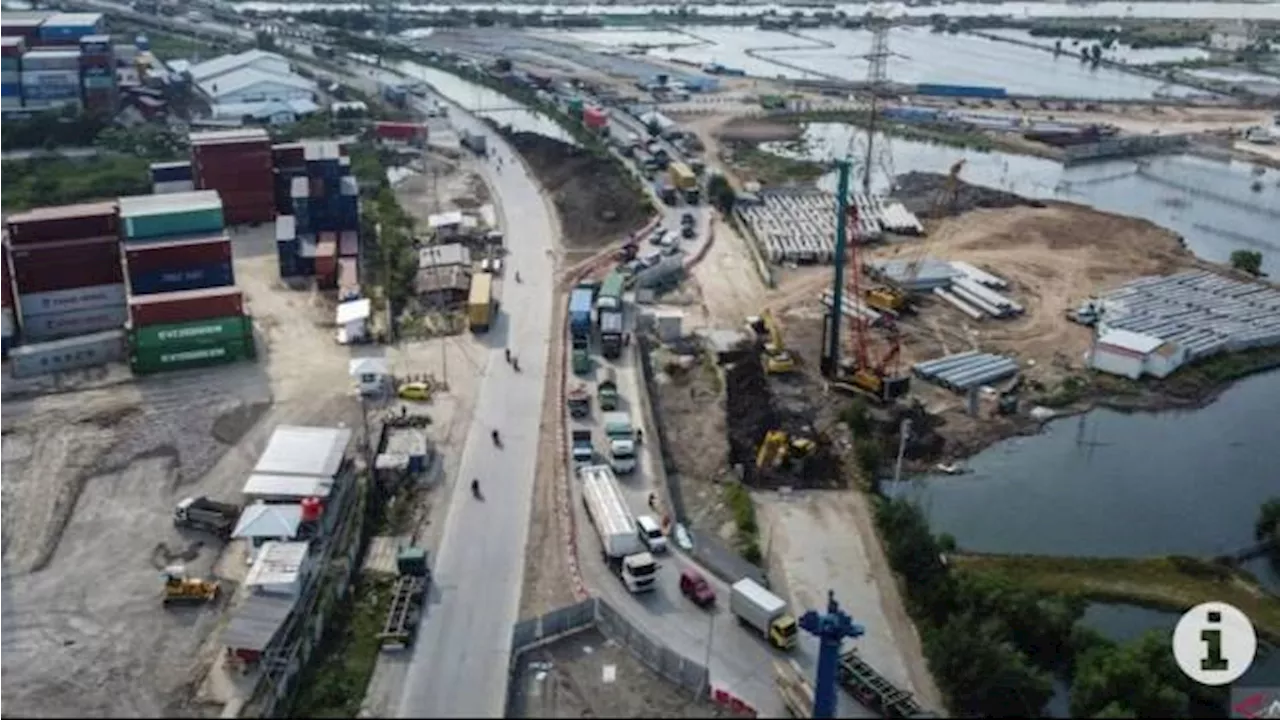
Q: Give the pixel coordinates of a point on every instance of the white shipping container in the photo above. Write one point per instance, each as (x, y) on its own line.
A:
(40, 328)
(11, 103)
(70, 354)
(60, 301)
(51, 78)
(6, 322)
(173, 186)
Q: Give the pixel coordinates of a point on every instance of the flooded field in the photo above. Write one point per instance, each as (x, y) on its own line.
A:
(1117, 53)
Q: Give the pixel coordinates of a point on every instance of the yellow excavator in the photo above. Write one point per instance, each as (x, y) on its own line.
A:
(180, 589)
(777, 360)
(778, 447)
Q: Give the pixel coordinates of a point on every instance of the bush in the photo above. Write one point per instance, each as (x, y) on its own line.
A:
(744, 517)
(1249, 261)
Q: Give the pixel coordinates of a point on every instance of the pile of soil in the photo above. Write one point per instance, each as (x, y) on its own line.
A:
(919, 192)
(596, 200)
(751, 411)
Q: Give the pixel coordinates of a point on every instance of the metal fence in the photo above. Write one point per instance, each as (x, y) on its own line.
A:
(594, 612)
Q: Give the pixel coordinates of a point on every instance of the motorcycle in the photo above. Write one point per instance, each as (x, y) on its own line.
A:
(496, 440)
(475, 488)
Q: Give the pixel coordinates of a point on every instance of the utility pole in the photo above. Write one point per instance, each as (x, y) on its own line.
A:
(876, 152)
(836, 314)
(904, 431)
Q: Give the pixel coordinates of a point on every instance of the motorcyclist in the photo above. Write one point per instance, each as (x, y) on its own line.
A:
(475, 488)
(507, 351)
(517, 276)
(496, 441)
(515, 363)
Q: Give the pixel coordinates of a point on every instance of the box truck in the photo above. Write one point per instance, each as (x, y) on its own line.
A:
(624, 552)
(767, 613)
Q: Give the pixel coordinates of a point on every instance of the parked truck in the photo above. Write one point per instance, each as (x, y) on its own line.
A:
(611, 333)
(580, 301)
(607, 390)
(475, 142)
(581, 447)
(767, 613)
(581, 355)
(201, 513)
(579, 402)
(685, 181)
(622, 441)
(480, 302)
(623, 549)
(610, 295)
(666, 191)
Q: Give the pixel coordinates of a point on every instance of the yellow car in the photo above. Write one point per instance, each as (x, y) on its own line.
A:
(414, 391)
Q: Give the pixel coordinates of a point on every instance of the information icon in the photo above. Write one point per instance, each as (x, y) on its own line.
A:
(1214, 643)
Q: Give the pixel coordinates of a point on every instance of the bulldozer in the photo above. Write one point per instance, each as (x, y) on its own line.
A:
(181, 589)
(886, 299)
(775, 358)
(778, 448)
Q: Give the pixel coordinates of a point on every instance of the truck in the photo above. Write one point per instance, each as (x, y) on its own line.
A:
(624, 552)
(581, 447)
(611, 334)
(610, 295)
(666, 191)
(622, 441)
(480, 302)
(475, 142)
(685, 181)
(580, 311)
(766, 613)
(607, 390)
(581, 355)
(201, 513)
(579, 402)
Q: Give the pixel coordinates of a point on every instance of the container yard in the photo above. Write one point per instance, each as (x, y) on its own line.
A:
(798, 226)
(237, 164)
(324, 223)
(163, 217)
(58, 60)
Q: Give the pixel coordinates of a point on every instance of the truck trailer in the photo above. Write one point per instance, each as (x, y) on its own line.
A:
(611, 333)
(622, 440)
(763, 611)
(580, 301)
(480, 302)
(623, 550)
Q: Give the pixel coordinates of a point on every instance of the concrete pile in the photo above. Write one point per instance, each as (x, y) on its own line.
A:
(964, 371)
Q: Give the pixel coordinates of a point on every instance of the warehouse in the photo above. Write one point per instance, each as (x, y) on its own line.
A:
(260, 60)
(272, 112)
(250, 85)
(1132, 355)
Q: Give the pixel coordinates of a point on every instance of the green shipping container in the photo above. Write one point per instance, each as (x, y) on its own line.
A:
(191, 335)
(191, 222)
(147, 362)
(98, 83)
(575, 108)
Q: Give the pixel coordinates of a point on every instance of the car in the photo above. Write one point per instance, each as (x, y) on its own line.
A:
(695, 587)
(414, 391)
(658, 236)
(650, 533)
(651, 259)
(687, 220)
(671, 250)
(689, 232)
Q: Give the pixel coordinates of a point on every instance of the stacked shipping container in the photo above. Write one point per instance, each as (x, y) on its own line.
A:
(8, 326)
(171, 177)
(51, 78)
(98, 73)
(326, 216)
(11, 50)
(288, 161)
(236, 163)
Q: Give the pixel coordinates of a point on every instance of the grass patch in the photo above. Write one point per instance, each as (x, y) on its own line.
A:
(747, 539)
(61, 181)
(769, 169)
(1167, 583)
(1204, 377)
(333, 685)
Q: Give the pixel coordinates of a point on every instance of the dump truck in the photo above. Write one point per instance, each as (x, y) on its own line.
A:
(763, 611)
(581, 355)
(623, 550)
(666, 191)
(622, 441)
(611, 333)
(581, 447)
(685, 181)
(475, 142)
(579, 402)
(580, 301)
(201, 513)
(480, 302)
(610, 295)
(607, 390)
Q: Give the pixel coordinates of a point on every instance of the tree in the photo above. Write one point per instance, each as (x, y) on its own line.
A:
(1267, 526)
(1249, 261)
(721, 193)
(1137, 679)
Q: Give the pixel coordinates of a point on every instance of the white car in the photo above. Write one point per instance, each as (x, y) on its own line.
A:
(658, 237)
(491, 265)
(650, 533)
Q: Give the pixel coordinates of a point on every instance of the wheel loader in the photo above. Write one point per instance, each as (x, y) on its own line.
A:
(180, 589)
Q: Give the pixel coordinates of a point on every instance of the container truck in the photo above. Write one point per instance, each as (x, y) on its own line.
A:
(581, 447)
(201, 513)
(622, 441)
(610, 295)
(580, 311)
(767, 613)
(611, 334)
(624, 551)
(607, 390)
(480, 302)
(474, 142)
(579, 401)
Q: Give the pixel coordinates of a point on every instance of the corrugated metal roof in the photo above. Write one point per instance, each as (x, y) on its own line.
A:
(237, 80)
(271, 521)
(453, 217)
(444, 255)
(256, 622)
(1127, 340)
(227, 63)
(278, 563)
(64, 212)
(73, 20)
(287, 486)
(298, 450)
(216, 137)
(353, 310)
(143, 205)
(452, 277)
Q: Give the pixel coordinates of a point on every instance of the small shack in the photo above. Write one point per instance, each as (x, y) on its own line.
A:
(371, 374)
(279, 569)
(261, 523)
(352, 318)
(254, 626)
(447, 225)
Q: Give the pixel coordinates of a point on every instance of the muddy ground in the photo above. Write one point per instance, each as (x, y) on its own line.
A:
(444, 185)
(594, 198)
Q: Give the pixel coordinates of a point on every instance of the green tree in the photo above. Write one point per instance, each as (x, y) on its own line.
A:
(1249, 261)
(1139, 678)
(982, 672)
(721, 193)
(1267, 526)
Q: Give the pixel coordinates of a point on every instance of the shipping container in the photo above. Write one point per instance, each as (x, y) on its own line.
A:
(239, 136)
(400, 132)
(348, 243)
(177, 254)
(300, 188)
(170, 172)
(6, 280)
(287, 256)
(101, 85)
(348, 279)
(11, 89)
(51, 59)
(146, 217)
(60, 301)
(174, 186)
(322, 150)
(70, 27)
(212, 275)
(40, 328)
(147, 362)
(185, 306)
(25, 25)
(70, 354)
(245, 212)
(977, 91)
(59, 252)
(288, 155)
(49, 80)
(595, 118)
(8, 326)
(200, 333)
(66, 222)
(13, 47)
(64, 277)
(327, 262)
(286, 228)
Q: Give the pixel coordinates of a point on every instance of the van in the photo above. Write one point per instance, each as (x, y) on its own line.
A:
(651, 533)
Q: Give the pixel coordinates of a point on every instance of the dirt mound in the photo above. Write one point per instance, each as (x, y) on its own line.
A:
(919, 192)
(752, 410)
(597, 201)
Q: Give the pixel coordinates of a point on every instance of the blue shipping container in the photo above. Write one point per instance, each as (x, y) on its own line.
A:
(170, 172)
(66, 32)
(977, 91)
(306, 266)
(195, 278)
(287, 253)
(10, 90)
(50, 92)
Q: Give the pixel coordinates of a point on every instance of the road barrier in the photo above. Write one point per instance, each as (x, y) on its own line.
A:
(726, 699)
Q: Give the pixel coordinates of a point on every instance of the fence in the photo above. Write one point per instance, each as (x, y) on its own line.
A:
(594, 612)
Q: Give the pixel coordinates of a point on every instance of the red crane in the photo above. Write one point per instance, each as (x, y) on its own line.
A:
(877, 378)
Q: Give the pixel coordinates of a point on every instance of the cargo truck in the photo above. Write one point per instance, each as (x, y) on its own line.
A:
(607, 390)
(622, 441)
(610, 295)
(767, 613)
(623, 550)
(480, 302)
(581, 355)
(201, 513)
(580, 301)
(579, 401)
(666, 191)
(685, 181)
(581, 447)
(475, 142)
(611, 334)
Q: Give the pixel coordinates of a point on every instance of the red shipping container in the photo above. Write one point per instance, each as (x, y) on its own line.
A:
(327, 257)
(400, 131)
(66, 276)
(6, 284)
(327, 280)
(61, 252)
(178, 254)
(185, 306)
(288, 155)
(349, 243)
(66, 222)
(229, 161)
(249, 213)
(595, 118)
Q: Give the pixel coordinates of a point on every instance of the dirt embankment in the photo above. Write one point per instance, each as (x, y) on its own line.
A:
(597, 200)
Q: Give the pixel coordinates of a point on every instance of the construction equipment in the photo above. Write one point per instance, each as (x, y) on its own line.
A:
(201, 513)
(943, 205)
(886, 299)
(778, 447)
(775, 358)
(178, 588)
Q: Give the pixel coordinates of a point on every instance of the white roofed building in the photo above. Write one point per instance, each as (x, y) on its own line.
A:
(1132, 355)
(261, 60)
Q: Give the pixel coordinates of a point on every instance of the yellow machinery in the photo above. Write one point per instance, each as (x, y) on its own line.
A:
(776, 359)
(178, 588)
(777, 447)
(886, 299)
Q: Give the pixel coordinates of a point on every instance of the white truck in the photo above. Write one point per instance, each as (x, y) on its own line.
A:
(624, 552)
(621, 437)
(765, 612)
